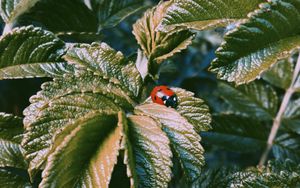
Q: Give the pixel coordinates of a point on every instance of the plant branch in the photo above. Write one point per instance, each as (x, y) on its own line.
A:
(277, 121)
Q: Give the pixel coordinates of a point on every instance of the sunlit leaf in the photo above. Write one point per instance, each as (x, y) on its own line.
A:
(255, 100)
(38, 53)
(199, 14)
(270, 34)
(35, 70)
(142, 64)
(61, 16)
(61, 102)
(106, 62)
(148, 153)
(193, 109)
(11, 9)
(156, 45)
(84, 153)
(184, 139)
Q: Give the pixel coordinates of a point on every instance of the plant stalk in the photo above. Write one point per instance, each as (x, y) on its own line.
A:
(278, 119)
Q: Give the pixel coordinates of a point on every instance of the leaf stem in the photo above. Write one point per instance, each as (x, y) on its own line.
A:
(277, 121)
(7, 28)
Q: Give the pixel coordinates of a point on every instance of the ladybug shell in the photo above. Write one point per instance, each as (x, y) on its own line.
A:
(165, 96)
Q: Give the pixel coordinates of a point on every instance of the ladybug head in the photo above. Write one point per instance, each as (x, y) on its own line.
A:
(172, 101)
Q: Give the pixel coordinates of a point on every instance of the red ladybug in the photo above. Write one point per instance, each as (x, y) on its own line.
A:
(164, 96)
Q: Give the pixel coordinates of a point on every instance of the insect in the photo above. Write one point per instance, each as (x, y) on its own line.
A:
(164, 96)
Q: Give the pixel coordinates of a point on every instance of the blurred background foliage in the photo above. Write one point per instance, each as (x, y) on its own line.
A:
(188, 70)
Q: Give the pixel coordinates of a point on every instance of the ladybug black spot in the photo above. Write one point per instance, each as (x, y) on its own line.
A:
(172, 101)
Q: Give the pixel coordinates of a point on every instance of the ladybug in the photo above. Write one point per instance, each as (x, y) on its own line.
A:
(165, 96)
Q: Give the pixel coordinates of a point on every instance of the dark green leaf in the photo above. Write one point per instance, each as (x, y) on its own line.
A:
(106, 62)
(184, 139)
(280, 75)
(11, 155)
(112, 12)
(253, 100)
(11, 179)
(84, 153)
(270, 34)
(287, 146)
(149, 155)
(11, 9)
(61, 16)
(277, 174)
(36, 50)
(11, 128)
(11, 133)
(156, 45)
(237, 134)
(292, 116)
(215, 177)
(199, 14)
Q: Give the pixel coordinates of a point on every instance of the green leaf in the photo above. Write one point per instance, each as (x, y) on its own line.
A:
(236, 133)
(36, 70)
(291, 117)
(106, 62)
(11, 155)
(280, 75)
(112, 12)
(215, 177)
(11, 128)
(270, 34)
(201, 15)
(148, 154)
(12, 179)
(84, 153)
(156, 45)
(253, 100)
(30, 52)
(184, 139)
(277, 174)
(11, 132)
(11, 9)
(63, 101)
(287, 146)
(61, 16)
(193, 109)
(243, 135)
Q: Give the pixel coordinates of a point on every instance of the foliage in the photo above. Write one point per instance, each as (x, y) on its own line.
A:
(275, 174)
(93, 114)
